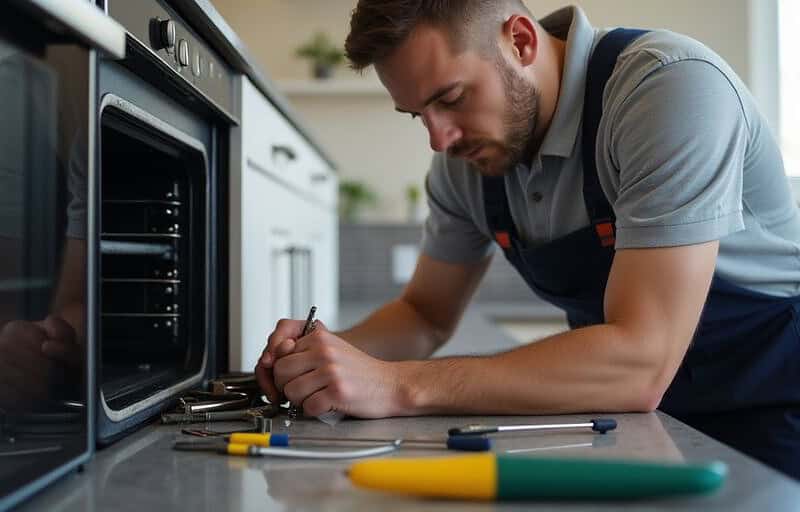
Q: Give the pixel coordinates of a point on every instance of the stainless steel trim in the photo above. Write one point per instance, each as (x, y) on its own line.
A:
(88, 23)
(166, 66)
(92, 267)
(111, 100)
(164, 394)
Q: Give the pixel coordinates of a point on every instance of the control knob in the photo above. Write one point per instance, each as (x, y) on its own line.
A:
(165, 35)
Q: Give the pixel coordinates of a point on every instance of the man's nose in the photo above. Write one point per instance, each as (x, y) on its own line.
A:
(442, 131)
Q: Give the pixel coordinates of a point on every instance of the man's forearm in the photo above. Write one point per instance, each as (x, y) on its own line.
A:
(395, 332)
(611, 372)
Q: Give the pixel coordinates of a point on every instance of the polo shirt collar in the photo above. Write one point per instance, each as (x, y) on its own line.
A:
(569, 22)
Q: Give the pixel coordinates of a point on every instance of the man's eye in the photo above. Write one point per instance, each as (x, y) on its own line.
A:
(453, 102)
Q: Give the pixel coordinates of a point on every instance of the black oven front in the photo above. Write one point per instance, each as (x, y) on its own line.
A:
(163, 120)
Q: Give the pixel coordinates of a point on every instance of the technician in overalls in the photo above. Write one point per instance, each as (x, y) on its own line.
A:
(631, 181)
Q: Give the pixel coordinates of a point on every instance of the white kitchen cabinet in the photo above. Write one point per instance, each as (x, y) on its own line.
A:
(283, 229)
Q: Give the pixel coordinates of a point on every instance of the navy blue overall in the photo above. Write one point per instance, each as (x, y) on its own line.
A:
(740, 379)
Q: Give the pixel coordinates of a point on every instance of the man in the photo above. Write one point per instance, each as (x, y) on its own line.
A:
(635, 192)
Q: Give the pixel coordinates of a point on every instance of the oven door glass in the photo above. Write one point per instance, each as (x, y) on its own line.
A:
(153, 196)
(44, 147)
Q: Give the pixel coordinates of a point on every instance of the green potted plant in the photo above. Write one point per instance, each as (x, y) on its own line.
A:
(413, 196)
(353, 197)
(322, 53)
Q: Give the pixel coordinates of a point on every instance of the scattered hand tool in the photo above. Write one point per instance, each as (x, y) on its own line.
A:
(250, 450)
(235, 383)
(459, 443)
(508, 477)
(310, 325)
(598, 425)
(264, 411)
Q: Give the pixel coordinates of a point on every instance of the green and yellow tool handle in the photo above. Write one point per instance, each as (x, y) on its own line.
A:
(506, 477)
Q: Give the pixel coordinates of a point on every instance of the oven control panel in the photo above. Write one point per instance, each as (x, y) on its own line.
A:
(156, 26)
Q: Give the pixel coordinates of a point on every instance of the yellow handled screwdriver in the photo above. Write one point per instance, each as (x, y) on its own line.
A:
(459, 443)
(246, 439)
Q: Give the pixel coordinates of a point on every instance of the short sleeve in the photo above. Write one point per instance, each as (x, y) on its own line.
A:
(450, 232)
(677, 142)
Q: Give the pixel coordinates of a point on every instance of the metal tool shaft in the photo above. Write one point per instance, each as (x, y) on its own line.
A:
(513, 428)
(367, 440)
(309, 326)
(598, 425)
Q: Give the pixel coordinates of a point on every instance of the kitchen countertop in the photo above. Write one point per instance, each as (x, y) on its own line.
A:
(141, 472)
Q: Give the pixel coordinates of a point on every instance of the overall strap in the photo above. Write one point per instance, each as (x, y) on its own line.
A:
(601, 65)
(498, 213)
(601, 215)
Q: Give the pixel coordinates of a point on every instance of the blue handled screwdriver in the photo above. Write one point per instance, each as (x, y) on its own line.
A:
(601, 425)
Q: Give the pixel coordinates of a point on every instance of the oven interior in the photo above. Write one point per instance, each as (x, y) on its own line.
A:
(152, 271)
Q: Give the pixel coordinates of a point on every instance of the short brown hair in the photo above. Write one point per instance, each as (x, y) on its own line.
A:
(378, 27)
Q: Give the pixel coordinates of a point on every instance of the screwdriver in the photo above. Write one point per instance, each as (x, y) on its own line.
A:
(598, 425)
(459, 443)
(249, 450)
(487, 476)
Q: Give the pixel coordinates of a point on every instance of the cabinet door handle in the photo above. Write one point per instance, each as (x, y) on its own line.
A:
(287, 151)
(319, 177)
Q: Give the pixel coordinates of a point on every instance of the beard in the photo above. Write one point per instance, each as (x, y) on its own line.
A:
(520, 120)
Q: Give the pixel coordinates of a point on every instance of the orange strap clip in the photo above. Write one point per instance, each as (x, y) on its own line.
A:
(605, 231)
(503, 239)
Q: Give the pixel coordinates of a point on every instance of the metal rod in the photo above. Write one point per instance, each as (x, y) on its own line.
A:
(513, 428)
(373, 440)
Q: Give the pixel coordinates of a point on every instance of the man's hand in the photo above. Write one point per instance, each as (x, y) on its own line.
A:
(280, 343)
(35, 357)
(323, 372)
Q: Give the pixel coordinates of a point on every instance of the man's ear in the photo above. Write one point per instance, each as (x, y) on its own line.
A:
(521, 32)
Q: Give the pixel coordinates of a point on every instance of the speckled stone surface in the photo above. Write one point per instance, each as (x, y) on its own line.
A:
(143, 473)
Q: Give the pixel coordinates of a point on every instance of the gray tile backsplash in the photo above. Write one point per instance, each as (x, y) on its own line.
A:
(366, 257)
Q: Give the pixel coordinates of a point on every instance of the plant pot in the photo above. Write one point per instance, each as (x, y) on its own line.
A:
(415, 212)
(323, 71)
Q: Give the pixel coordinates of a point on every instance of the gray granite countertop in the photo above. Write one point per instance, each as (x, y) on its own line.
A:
(142, 472)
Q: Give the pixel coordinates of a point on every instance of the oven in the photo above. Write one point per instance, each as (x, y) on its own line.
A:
(163, 119)
(48, 56)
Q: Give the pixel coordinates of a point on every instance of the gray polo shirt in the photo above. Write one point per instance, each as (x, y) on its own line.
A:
(683, 156)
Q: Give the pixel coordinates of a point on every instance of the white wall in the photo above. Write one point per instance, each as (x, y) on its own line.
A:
(370, 141)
